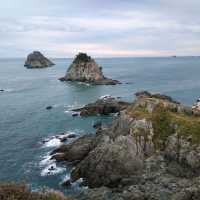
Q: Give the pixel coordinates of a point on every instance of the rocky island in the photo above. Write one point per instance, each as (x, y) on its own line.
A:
(85, 69)
(150, 151)
(37, 60)
(103, 106)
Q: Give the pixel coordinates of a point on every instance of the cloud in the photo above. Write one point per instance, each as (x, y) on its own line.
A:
(130, 28)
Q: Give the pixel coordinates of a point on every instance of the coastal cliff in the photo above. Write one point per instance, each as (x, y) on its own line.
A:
(150, 151)
(85, 69)
(37, 60)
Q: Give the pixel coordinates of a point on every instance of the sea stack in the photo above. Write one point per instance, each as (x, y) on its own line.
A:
(37, 60)
(85, 69)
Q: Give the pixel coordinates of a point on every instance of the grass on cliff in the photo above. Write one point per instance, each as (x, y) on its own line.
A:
(12, 191)
(166, 122)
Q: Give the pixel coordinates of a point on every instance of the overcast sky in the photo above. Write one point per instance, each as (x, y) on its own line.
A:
(102, 28)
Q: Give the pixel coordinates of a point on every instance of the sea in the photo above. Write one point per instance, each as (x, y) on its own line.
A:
(28, 129)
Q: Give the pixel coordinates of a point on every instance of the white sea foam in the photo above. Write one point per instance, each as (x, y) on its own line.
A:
(46, 161)
(54, 142)
(83, 83)
(107, 96)
(52, 170)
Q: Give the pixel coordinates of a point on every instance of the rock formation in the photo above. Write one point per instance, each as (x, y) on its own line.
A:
(150, 151)
(37, 60)
(103, 106)
(85, 69)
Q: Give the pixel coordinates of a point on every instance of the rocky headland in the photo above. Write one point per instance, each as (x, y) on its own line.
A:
(104, 106)
(37, 60)
(151, 151)
(85, 69)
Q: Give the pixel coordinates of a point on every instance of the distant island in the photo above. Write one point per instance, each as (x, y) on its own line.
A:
(37, 60)
(85, 69)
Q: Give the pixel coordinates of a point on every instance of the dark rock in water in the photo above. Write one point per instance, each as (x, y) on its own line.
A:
(37, 60)
(103, 107)
(97, 125)
(1, 90)
(85, 69)
(72, 135)
(66, 183)
(64, 139)
(49, 107)
(75, 115)
(51, 168)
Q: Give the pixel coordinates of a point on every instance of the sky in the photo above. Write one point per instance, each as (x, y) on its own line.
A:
(101, 28)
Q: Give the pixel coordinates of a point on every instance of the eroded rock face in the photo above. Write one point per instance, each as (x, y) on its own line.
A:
(103, 107)
(85, 69)
(75, 151)
(37, 60)
(110, 162)
(150, 151)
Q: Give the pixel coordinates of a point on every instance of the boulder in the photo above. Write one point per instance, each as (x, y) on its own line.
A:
(85, 69)
(37, 60)
(76, 150)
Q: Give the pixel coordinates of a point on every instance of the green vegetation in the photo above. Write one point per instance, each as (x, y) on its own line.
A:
(166, 121)
(12, 191)
(81, 57)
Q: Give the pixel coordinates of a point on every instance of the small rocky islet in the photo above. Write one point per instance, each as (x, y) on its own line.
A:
(151, 151)
(85, 69)
(37, 60)
(103, 106)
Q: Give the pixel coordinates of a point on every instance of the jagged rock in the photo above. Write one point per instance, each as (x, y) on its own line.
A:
(103, 107)
(37, 60)
(150, 151)
(75, 151)
(85, 69)
(112, 161)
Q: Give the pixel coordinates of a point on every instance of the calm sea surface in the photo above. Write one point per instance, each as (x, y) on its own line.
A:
(25, 123)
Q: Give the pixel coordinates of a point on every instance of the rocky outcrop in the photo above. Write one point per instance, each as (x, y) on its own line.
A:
(37, 60)
(150, 151)
(104, 106)
(85, 69)
(76, 151)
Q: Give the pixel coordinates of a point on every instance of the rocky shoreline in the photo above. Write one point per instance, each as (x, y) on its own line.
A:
(85, 69)
(150, 151)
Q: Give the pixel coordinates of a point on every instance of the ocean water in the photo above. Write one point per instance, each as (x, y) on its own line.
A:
(25, 123)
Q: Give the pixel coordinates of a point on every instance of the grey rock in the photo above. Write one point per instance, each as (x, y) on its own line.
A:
(103, 107)
(109, 162)
(85, 69)
(76, 150)
(37, 60)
